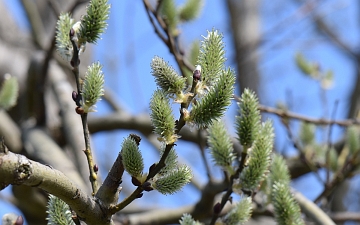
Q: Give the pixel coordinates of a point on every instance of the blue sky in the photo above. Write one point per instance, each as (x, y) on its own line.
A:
(129, 44)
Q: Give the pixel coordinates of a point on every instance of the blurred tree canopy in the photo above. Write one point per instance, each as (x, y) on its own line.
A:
(311, 93)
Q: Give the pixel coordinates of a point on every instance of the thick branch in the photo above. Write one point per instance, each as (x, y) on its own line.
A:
(109, 190)
(70, 121)
(18, 170)
(324, 27)
(245, 24)
(312, 210)
(141, 123)
(11, 132)
(41, 147)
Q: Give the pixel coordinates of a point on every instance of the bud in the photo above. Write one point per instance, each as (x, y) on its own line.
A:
(197, 73)
(79, 110)
(75, 64)
(96, 168)
(74, 96)
(147, 186)
(72, 33)
(136, 138)
(135, 181)
(217, 208)
(19, 221)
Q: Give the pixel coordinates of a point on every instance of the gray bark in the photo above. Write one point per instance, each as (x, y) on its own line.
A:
(245, 24)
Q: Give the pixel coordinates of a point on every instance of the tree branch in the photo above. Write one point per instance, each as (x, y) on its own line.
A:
(71, 123)
(42, 148)
(11, 132)
(18, 170)
(312, 210)
(324, 27)
(200, 210)
(170, 40)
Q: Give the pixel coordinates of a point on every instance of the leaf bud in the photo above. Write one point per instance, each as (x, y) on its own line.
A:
(217, 208)
(197, 73)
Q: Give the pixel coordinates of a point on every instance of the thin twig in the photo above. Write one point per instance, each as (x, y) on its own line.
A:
(346, 171)
(75, 63)
(51, 47)
(317, 121)
(161, 164)
(88, 153)
(169, 40)
(225, 198)
(302, 154)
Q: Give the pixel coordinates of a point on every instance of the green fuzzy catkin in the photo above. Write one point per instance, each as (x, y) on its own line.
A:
(211, 57)
(131, 157)
(58, 212)
(287, 210)
(162, 118)
(170, 161)
(190, 10)
(63, 43)
(308, 68)
(93, 87)
(352, 139)
(259, 160)
(213, 105)
(93, 24)
(240, 214)
(279, 170)
(307, 133)
(248, 122)
(166, 77)
(173, 181)
(168, 11)
(187, 219)
(333, 160)
(9, 92)
(221, 147)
